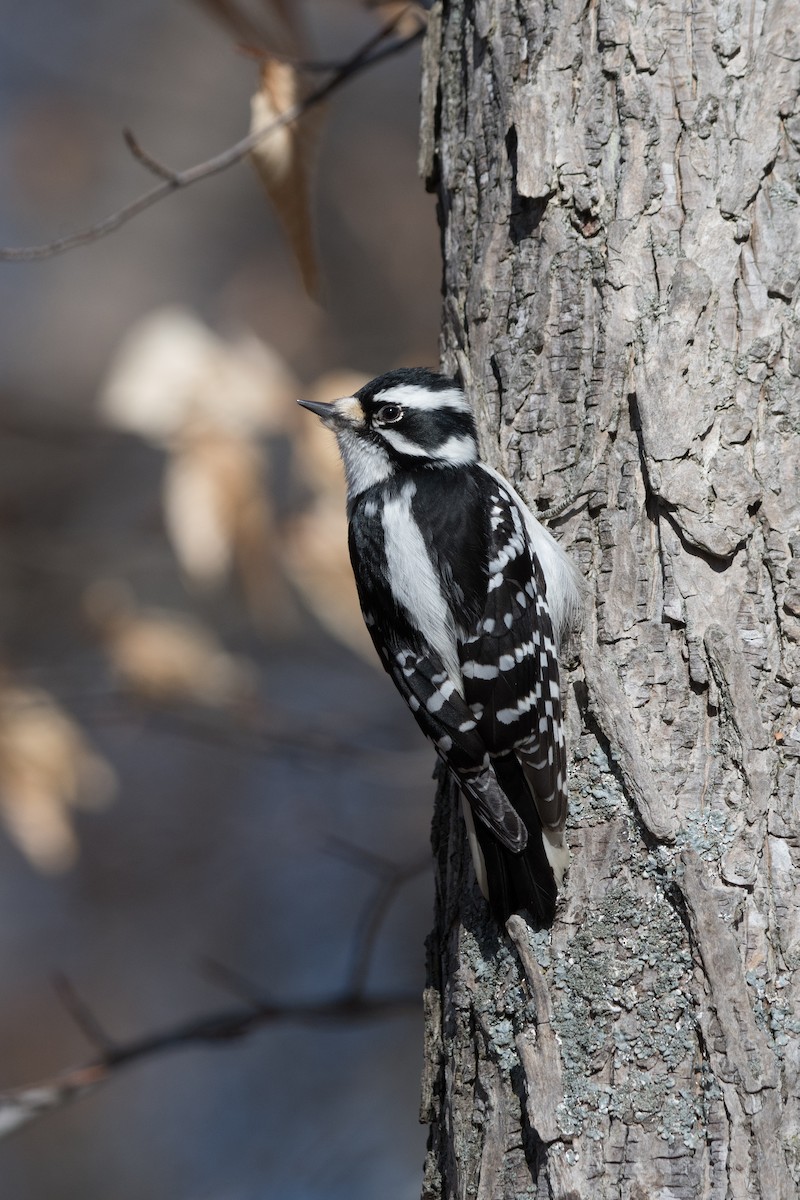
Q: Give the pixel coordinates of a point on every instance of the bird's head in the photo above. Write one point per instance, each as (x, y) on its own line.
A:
(401, 421)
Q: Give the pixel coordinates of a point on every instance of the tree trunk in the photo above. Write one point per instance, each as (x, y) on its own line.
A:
(618, 201)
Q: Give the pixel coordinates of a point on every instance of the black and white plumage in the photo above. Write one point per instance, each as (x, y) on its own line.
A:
(465, 595)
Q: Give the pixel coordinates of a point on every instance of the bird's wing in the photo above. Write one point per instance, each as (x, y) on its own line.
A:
(509, 664)
(414, 635)
(444, 717)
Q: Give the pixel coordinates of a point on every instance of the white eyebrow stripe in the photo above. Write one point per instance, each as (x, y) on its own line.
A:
(410, 396)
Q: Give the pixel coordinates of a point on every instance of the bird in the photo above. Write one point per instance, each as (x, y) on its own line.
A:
(466, 597)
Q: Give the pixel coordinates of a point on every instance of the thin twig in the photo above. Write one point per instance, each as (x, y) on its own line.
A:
(359, 856)
(268, 733)
(146, 159)
(257, 737)
(20, 1106)
(392, 877)
(82, 1014)
(372, 920)
(234, 982)
(177, 180)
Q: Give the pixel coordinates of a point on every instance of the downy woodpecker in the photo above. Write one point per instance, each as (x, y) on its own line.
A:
(465, 596)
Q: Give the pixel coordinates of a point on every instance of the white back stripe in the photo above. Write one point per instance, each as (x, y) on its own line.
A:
(414, 583)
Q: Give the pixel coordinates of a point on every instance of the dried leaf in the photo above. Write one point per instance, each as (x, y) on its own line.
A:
(283, 159)
(167, 658)
(47, 768)
(316, 560)
(315, 548)
(170, 368)
(38, 823)
(209, 476)
(219, 515)
(206, 401)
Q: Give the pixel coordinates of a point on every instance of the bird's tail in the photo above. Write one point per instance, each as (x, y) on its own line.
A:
(521, 881)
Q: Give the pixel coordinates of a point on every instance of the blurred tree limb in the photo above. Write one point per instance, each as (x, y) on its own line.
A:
(367, 55)
(20, 1106)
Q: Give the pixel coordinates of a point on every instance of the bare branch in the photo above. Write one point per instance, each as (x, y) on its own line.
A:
(268, 732)
(363, 58)
(20, 1106)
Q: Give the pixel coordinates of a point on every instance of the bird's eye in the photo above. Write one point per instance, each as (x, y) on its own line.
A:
(388, 414)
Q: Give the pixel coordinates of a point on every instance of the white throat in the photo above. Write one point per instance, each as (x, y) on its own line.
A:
(365, 463)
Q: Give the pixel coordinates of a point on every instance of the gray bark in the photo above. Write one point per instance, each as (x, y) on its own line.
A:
(618, 196)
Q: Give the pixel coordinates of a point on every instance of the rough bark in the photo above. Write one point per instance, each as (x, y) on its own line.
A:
(618, 196)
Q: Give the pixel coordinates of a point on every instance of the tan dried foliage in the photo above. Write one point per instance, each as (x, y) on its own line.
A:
(284, 159)
(166, 658)
(171, 368)
(220, 518)
(315, 547)
(47, 770)
(207, 402)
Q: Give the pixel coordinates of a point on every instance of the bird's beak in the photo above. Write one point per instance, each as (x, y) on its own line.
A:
(326, 412)
(345, 413)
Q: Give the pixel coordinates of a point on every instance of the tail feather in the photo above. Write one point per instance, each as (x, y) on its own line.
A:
(523, 880)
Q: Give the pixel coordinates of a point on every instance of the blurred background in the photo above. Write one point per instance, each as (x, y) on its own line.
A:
(199, 758)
